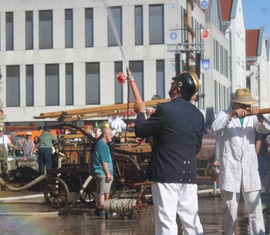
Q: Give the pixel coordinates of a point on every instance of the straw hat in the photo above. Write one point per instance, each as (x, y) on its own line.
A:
(243, 96)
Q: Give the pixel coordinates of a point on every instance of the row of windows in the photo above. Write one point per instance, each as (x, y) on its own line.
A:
(92, 83)
(224, 92)
(221, 58)
(115, 21)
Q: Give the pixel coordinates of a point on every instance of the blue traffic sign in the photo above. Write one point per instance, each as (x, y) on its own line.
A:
(204, 4)
(205, 64)
(173, 35)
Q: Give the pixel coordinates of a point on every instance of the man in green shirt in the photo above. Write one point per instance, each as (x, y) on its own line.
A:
(46, 142)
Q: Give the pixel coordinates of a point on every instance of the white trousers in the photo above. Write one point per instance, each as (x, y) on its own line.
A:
(171, 199)
(254, 208)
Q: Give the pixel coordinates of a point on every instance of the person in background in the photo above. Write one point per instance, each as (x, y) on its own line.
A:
(117, 123)
(36, 143)
(5, 143)
(177, 129)
(27, 144)
(263, 161)
(55, 157)
(116, 139)
(46, 142)
(102, 167)
(238, 160)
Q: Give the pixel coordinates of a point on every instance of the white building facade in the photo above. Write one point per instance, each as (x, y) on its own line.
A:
(61, 55)
(65, 54)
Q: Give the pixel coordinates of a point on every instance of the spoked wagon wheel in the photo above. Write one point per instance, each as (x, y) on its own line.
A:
(56, 193)
(127, 172)
(140, 209)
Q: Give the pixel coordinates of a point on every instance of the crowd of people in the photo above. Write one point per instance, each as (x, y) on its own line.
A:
(176, 130)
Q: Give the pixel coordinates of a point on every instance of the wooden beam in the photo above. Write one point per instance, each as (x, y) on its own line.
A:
(95, 111)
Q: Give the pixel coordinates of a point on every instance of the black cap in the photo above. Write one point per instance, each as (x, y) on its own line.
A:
(189, 84)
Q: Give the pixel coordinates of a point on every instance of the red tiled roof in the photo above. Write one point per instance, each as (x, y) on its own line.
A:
(226, 6)
(252, 38)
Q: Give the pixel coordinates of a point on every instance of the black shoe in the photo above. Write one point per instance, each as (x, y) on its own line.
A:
(97, 212)
(100, 212)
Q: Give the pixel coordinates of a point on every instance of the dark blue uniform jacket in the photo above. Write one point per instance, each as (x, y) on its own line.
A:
(177, 130)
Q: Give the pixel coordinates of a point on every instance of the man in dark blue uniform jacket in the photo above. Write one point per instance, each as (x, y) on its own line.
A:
(177, 129)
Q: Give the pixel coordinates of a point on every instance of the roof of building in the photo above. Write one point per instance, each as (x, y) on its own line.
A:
(252, 42)
(226, 7)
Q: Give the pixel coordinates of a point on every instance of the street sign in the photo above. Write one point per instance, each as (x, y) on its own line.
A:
(205, 63)
(173, 35)
(205, 33)
(173, 4)
(204, 4)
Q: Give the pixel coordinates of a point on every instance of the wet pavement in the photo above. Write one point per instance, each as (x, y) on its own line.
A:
(34, 217)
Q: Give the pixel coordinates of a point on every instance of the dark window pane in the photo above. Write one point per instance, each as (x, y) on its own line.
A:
(138, 25)
(156, 24)
(52, 85)
(9, 31)
(45, 30)
(13, 86)
(118, 89)
(92, 83)
(29, 30)
(69, 84)
(136, 67)
(160, 79)
(89, 27)
(69, 28)
(115, 26)
(29, 85)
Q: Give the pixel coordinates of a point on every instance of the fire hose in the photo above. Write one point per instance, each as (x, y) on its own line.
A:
(40, 178)
(27, 186)
(17, 189)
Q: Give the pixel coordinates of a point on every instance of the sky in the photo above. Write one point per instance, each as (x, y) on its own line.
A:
(257, 15)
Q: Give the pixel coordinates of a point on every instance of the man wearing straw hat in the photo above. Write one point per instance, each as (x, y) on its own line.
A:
(238, 160)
